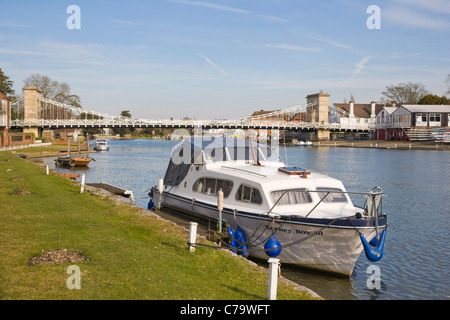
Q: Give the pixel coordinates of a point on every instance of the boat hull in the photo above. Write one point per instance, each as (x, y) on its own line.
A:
(74, 161)
(101, 148)
(331, 245)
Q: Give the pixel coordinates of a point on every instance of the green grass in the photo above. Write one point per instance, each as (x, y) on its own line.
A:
(131, 255)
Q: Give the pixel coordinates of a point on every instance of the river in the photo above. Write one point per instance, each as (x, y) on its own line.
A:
(415, 265)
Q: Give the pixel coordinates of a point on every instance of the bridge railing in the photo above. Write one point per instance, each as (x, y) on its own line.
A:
(131, 122)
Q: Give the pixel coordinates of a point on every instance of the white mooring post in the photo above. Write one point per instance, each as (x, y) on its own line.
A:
(220, 208)
(192, 235)
(83, 177)
(47, 169)
(273, 279)
(160, 190)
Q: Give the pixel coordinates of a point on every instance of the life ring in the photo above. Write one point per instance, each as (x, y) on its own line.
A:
(72, 162)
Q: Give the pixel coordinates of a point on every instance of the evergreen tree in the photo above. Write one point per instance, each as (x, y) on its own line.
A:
(6, 85)
(434, 99)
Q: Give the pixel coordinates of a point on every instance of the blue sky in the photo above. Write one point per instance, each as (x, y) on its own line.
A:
(212, 59)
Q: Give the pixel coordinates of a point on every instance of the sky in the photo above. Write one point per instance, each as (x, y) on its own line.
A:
(225, 59)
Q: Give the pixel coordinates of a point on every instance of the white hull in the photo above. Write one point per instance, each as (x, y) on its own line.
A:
(101, 148)
(333, 248)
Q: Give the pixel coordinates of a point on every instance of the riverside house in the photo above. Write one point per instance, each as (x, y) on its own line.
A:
(412, 122)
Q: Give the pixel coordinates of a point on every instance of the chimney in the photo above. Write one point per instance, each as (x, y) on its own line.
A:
(372, 109)
(352, 107)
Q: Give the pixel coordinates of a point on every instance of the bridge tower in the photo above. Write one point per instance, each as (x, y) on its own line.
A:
(31, 108)
(318, 112)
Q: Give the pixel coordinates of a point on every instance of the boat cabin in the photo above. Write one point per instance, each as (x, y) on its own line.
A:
(251, 178)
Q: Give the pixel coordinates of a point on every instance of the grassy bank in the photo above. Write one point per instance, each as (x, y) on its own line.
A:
(131, 255)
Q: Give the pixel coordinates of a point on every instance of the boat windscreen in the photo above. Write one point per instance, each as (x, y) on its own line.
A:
(213, 149)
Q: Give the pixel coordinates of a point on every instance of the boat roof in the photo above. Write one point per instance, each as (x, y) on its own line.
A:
(269, 172)
(212, 149)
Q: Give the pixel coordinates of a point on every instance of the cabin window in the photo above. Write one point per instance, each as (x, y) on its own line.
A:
(211, 186)
(292, 196)
(248, 194)
(334, 195)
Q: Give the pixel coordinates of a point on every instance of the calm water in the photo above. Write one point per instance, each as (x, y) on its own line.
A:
(415, 264)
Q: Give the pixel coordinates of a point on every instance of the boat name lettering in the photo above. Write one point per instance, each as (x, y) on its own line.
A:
(317, 233)
(278, 229)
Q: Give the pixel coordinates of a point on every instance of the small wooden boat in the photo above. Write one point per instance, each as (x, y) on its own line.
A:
(73, 161)
(67, 157)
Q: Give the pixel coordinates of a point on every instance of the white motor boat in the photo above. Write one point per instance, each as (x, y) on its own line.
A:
(271, 210)
(101, 145)
(302, 143)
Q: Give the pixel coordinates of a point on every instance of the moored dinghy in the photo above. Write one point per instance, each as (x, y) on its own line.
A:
(302, 217)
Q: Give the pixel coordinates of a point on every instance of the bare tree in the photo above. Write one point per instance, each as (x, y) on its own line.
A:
(52, 89)
(407, 93)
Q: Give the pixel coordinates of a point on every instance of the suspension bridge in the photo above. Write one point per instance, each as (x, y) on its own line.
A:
(33, 112)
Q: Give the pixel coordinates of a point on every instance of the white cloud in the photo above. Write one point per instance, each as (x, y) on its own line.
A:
(232, 9)
(124, 22)
(318, 37)
(438, 6)
(215, 66)
(405, 16)
(14, 25)
(20, 52)
(212, 6)
(295, 48)
(360, 66)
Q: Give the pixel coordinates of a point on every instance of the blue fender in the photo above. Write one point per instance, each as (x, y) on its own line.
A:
(272, 247)
(231, 232)
(374, 249)
(241, 240)
(150, 204)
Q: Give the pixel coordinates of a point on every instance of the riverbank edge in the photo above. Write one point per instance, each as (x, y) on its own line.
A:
(388, 145)
(121, 201)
